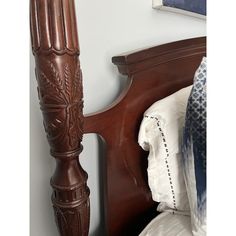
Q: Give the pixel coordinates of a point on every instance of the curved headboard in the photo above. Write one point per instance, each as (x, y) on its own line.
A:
(153, 74)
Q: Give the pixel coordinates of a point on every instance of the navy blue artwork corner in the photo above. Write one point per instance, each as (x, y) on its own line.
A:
(196, 6)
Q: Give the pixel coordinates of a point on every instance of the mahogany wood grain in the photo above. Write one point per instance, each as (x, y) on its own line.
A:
(56, 50)
(153, 74)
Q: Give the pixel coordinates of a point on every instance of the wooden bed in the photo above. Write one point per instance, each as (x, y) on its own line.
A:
(153, 73)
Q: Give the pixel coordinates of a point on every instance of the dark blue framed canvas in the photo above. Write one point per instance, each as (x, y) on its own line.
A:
(188, 7)
(195, 6)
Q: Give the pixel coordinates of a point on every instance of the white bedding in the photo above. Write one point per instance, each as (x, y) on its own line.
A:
(161, 134)
(168, 224)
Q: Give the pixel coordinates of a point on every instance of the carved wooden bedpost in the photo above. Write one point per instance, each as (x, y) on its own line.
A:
(56, 50)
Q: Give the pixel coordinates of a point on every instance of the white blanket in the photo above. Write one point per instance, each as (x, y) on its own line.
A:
(168, 224)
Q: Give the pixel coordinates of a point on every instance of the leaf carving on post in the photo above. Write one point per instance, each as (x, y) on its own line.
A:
(68, 81)
(68, 221)
(62, 104)
(56, 49)
(72, 220)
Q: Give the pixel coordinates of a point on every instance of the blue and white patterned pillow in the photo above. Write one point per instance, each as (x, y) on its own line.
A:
(194, 150)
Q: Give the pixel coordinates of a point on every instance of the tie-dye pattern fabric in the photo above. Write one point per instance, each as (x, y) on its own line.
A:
(194, 150)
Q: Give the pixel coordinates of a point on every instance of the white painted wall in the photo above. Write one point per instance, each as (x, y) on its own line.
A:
(106, 28)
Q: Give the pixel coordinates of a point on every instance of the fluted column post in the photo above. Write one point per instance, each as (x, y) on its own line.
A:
(56, 50)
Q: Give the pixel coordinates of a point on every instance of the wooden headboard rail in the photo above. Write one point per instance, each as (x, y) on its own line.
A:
(152, 74)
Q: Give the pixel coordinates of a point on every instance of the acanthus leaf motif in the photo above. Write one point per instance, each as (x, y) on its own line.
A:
(61, 102)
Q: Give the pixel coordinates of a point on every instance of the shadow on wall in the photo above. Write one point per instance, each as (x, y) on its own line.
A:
(100, 230)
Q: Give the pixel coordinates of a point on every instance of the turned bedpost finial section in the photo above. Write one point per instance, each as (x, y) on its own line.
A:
(56, 50)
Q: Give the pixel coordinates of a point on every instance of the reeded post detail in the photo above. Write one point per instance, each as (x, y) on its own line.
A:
(56, 50)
